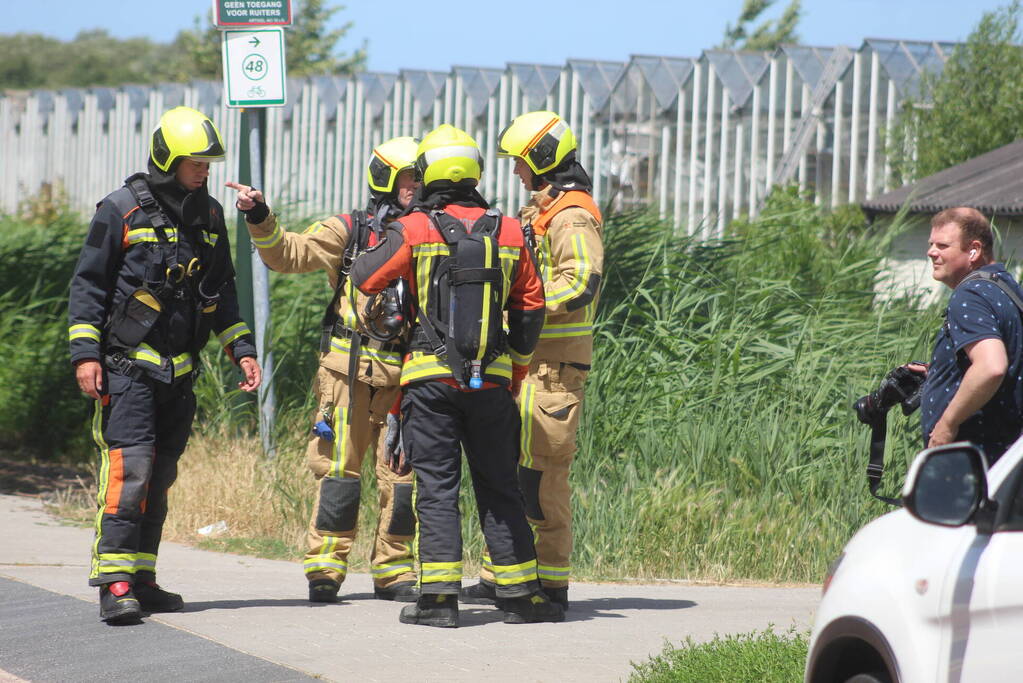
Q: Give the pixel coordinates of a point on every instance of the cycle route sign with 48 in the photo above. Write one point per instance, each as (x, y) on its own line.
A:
(254, 67)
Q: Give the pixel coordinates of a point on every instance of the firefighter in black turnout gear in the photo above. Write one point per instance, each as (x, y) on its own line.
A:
(153, 280)
(467, 267)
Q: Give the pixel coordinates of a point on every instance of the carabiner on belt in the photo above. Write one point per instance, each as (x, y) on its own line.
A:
(177, 273)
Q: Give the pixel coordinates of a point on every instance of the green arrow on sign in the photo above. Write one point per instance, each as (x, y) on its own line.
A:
(254, 42)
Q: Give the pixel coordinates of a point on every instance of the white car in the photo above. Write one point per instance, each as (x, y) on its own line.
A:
(933, 591)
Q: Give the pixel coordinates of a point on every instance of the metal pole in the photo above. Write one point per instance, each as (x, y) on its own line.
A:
(256, 119)
(854, 129)
(875, 75)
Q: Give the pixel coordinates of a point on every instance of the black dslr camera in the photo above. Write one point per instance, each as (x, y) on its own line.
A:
(900, 386)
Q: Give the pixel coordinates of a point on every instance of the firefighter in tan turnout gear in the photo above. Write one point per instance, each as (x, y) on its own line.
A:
(566, 225)
(362, 338)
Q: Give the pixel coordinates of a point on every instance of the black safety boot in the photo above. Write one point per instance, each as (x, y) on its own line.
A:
(118, 605)
(402, 591)
(558, 595)
(323, 590)
(531, 609)
(152, 598)
(483, 593)
(432, 610)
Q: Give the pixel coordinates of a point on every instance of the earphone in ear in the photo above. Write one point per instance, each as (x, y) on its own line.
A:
(973, 252)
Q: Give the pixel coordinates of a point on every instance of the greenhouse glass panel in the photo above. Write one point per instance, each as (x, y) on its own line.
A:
(479, 83)
(597, 79)
(426, 87)
(378, 88)
(665, 76)
(738, 71)
(330, 90)
(536, 81)
(808, 61)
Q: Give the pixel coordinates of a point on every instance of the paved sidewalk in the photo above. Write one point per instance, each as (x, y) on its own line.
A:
(248, 619)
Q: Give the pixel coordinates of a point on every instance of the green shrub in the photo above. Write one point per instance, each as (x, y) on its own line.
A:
(764, 657)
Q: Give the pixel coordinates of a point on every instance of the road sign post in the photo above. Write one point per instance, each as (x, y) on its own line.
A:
(254, 68)
(255, 77)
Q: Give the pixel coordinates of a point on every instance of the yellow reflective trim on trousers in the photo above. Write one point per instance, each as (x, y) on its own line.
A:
(230, 334)
(139, 235)
(519, 359)
(145, 562)
(437, 572)
(487, 564)
(553, 573)
(390, 569)
(344, 345)
(117, 563)
(326, 559)
(101, 490)
(527, 404)
(570, 330)
(582, 275)
(337, 464)
(270, 240)
(415, 537)
(83, 331)
(511, 574)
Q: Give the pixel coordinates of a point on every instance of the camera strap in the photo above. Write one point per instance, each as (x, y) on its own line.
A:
(875, 467)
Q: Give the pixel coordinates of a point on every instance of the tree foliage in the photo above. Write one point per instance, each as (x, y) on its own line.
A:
(768, 34)
(974, 106)
(96, 58)
(311, 47)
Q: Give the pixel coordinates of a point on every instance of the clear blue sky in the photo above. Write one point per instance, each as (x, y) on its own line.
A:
(439, 34)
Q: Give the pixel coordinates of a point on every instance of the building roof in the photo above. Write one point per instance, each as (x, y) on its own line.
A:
(991, 183)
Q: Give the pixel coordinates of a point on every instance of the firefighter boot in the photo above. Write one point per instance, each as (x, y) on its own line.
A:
(403, 591)
(531, 609)
(323, 590)
(152, 598)
(558, 595)
(117, 604)
(432, 610)
(483, 593)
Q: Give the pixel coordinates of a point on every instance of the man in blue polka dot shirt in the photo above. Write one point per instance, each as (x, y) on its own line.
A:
(974, 386)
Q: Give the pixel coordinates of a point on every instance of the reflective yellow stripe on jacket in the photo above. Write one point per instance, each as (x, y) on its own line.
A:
(83, 331)
(423, 365)
(144, 353)
(344, 345)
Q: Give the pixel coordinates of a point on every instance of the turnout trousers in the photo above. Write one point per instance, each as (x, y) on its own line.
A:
(438, 421)
(337, 466)
(550, 405)
(141, 427)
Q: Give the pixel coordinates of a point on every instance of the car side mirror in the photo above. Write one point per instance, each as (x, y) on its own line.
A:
(947, 485)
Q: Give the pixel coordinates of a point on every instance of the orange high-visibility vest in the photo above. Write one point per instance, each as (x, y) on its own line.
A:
(571, 198)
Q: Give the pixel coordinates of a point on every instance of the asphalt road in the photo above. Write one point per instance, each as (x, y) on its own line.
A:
(247, 619)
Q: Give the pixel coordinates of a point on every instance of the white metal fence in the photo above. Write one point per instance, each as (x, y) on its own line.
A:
(700, 139)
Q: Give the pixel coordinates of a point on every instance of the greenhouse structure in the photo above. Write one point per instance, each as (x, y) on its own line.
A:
(700, 139)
